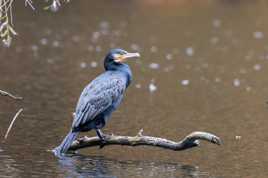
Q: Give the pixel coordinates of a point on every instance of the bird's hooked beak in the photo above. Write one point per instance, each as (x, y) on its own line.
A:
(124, 57)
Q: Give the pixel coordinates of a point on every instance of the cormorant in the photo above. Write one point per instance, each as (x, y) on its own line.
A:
(100, 98)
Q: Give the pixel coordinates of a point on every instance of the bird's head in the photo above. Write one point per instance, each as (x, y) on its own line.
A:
(116, 57)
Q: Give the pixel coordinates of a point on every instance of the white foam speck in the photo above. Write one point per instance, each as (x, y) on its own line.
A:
(154, 49)
(236, 82)
(185, 82)
(95, 36)
(248, 88)
(257, 67)
(138, 85)
(93, 64)
(104, 25)
(55, 44)
(83, 65)
(216, 23)
(135, 47)
(214, 40)
(44, 41)
(169, 68)
(189, 51)
(169, 56)
(34, 47)
(152, 87)
(50, 61)
(238, 137)
(217, 80)
(258, 35)
(154, 66)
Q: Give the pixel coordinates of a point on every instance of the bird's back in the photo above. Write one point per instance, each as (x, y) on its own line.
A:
(103, 94)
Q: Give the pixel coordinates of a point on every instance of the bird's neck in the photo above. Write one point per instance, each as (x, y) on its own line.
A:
(122, 68)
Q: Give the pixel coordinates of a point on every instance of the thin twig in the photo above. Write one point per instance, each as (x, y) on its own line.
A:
(12, 122)
(4, 93)
(30, 3)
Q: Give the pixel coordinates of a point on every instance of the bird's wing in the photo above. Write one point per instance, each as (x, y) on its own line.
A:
(96, 98)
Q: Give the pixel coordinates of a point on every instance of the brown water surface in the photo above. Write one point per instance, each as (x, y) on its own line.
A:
(204, 67)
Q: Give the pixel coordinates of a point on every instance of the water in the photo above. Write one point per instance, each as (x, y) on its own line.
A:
(211, 76)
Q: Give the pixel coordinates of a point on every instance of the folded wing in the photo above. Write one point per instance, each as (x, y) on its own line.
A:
(96, 98)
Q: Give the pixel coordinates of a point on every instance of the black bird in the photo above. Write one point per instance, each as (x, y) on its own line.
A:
(100, 98)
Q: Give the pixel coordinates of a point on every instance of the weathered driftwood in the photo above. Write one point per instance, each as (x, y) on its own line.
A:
(190, 141)
(4, 93)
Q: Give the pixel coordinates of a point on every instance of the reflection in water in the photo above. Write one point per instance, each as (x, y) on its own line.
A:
(7, 164)
(82, 166)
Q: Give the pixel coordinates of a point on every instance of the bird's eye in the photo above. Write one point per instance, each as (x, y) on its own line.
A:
(122, 52)
(116, 56)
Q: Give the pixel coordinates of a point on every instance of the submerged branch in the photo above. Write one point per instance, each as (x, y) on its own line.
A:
(4, 93)
(190, 141)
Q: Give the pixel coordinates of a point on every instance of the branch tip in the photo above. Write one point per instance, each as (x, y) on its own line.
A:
(4, 93)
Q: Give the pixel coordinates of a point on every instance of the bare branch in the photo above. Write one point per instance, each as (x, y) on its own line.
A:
(4, 93)
(12, 122)
(190, 141)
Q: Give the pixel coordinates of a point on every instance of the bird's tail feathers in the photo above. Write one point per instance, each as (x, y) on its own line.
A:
(66, 143)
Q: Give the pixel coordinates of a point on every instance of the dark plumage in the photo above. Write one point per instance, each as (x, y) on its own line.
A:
(100, 98)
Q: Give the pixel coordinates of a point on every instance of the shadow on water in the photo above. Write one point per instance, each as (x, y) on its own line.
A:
(85, 166)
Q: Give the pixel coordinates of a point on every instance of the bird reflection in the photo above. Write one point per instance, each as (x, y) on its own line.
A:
(83, 166)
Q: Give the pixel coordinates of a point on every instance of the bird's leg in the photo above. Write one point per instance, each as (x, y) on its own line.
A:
(101, 135)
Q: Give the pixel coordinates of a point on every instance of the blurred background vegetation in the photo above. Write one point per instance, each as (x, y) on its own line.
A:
(6, 16)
